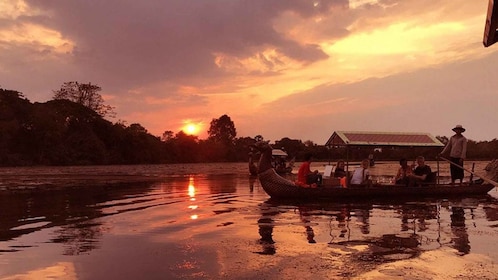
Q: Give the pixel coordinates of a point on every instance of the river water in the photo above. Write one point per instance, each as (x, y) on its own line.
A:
(214, 221)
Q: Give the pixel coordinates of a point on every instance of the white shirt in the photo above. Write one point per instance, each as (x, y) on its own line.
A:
(359, 176)
(457, 146)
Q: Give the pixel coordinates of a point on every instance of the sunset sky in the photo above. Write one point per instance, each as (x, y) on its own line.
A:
(279, 68)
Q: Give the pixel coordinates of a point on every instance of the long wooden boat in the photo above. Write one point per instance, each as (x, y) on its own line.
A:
(281, 188)
(278, 187)
(279, 162)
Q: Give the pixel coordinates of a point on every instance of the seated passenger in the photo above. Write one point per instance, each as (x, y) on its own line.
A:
(403, 172)
(339, 171)
(420, 174)
(361, 174)
(305, 177)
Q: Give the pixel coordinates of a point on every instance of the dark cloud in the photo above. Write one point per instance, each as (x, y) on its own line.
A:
(133, 43)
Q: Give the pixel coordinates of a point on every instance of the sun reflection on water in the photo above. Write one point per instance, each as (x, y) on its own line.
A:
(191, 188)
(191, 194)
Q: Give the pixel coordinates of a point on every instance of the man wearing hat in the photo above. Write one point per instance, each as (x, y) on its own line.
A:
(457, 147)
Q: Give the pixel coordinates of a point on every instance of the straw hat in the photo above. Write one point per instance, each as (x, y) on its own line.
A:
(459, 127)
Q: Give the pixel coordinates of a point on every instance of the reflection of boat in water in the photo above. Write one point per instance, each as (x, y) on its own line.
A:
(266, 224)
(460, 237)
(355, 227)
(347, 225)
(279, 187)
(279, 162)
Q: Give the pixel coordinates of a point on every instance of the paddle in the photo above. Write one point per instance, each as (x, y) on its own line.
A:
(472, 172)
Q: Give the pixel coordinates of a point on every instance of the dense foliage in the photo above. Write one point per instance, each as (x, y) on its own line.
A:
(64, 131)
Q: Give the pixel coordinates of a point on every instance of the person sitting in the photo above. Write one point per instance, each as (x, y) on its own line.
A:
(305, 177)
(361, 174)
(339, 171)
(280, 165)
(420, 174)
(403, 172)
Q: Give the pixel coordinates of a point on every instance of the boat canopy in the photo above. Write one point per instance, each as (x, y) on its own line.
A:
(372, 138)
(278, 153)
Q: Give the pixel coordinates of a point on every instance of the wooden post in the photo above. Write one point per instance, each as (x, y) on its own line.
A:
(437, 176)
(472, 173)
(491, 25)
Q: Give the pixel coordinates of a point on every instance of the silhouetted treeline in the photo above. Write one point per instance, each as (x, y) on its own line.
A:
(62, 132)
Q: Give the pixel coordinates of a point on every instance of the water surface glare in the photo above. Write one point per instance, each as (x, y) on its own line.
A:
(214, 221)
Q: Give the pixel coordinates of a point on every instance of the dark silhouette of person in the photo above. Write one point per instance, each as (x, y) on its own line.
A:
(304, 215)
(265, 225)
(460, 237)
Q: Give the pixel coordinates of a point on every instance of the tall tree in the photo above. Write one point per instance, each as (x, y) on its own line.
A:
(222, 130)
(221, 138)
(293, 147)
(86, 95)
(168, 135)
(186, 147)
(14, 111)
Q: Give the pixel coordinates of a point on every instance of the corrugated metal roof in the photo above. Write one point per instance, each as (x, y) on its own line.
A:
(371, 138)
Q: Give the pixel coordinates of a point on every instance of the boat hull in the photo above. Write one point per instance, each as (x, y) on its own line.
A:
(278, 187)
(286, 170)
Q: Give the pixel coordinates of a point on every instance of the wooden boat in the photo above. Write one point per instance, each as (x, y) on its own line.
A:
(278, 187)
(278, 160)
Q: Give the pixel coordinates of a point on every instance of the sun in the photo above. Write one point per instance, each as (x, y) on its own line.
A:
(191, 129)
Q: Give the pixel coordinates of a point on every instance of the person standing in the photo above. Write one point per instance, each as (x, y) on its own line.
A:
(457, 148)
